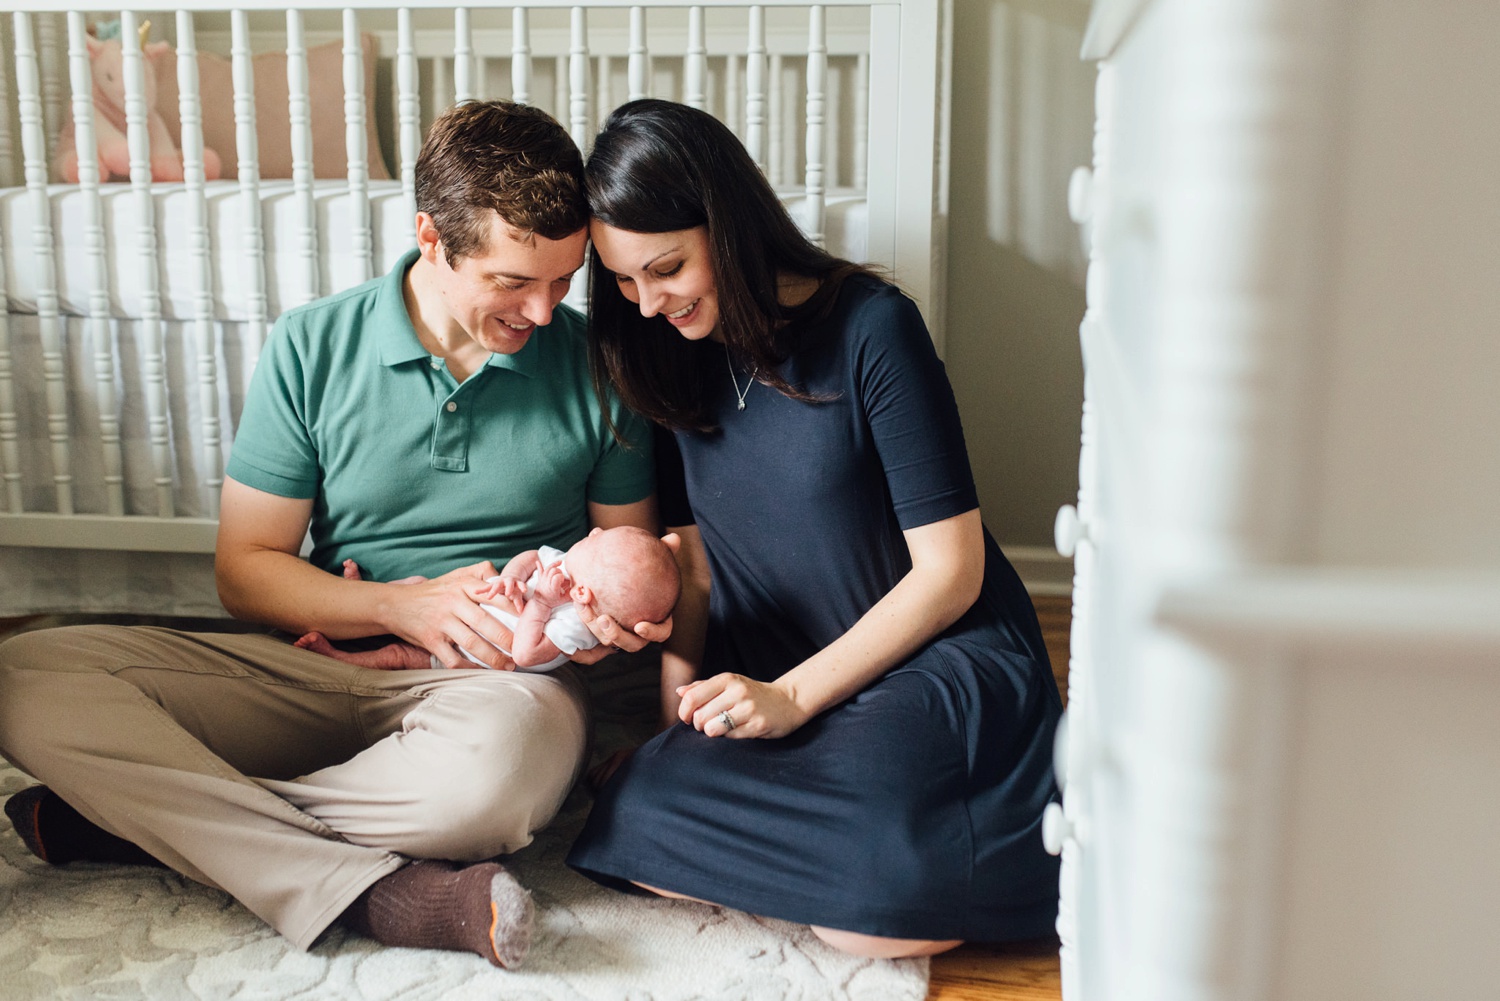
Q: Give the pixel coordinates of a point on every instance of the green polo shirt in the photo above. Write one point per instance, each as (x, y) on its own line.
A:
(413, 472)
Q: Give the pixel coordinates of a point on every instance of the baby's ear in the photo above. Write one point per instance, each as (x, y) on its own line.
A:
(672, 540)
(581, 595)
(595, 531)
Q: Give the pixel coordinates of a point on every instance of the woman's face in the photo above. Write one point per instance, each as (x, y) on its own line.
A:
(666, 273)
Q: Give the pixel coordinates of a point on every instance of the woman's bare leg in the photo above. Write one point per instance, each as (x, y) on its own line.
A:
(878, 947)
(869, 946)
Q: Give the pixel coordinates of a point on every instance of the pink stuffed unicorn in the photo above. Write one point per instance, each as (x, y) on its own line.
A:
(108, 69)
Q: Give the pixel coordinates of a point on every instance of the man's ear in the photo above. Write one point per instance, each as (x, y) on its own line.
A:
(429, 241)
(673, 541)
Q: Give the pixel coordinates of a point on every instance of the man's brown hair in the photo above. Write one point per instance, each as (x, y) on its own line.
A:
(498, 156)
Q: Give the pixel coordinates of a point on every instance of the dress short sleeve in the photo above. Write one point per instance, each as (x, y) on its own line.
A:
(911, 410)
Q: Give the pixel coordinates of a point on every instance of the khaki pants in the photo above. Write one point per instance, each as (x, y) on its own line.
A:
(288, 779)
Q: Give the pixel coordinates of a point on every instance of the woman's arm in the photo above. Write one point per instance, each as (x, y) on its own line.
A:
(682, 654)
(947, 571)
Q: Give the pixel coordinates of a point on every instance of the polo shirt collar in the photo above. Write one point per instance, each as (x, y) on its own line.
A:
(397, 338)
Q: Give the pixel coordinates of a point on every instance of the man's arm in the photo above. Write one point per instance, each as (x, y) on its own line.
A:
(262, 579)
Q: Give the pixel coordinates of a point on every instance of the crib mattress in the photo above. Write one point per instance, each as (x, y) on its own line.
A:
(288, 279)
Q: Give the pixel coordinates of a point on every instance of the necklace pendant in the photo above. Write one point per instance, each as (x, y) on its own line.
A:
(742, 405)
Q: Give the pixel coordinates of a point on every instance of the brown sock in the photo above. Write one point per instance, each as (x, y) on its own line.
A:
(432, 904)
(59, 834)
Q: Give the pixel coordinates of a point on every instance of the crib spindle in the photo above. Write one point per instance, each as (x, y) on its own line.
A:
(817, 83)
(463, 57)
(409, 111)
(299, 113)
(49, 49)
(362, 241)
(190, 110)
(34, 165)
(81, 78)
(638, 69)
(695, 64)
(578, 79)
(755, 89)
(153, 334)
(520, 57)
(256, 304)
(7, 148)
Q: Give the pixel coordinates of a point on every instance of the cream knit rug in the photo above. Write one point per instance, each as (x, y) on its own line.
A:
(95, 931)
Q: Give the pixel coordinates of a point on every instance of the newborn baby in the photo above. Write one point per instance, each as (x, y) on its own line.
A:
(554, 597)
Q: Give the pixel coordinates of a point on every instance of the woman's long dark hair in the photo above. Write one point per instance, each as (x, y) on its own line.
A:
(659, 167)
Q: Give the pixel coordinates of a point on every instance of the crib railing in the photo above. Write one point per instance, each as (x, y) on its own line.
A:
(811, 89)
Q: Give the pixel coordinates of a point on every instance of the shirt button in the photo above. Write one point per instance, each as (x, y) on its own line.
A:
(451, 406)
(437, 363)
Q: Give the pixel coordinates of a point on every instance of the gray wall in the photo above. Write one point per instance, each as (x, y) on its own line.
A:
(1022, 119)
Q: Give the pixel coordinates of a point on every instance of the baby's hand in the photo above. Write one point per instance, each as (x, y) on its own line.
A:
(515, 590)
(553, 585)
(487, 591)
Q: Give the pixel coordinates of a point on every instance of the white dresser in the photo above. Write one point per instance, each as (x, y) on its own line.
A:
(1282, 752)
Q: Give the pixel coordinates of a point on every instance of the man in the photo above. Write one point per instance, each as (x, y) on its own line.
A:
(437, 418)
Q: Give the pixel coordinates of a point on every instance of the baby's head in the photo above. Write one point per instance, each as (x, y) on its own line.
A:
(626, 573)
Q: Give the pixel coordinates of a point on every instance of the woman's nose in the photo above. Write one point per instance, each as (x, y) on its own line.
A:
(651, 299)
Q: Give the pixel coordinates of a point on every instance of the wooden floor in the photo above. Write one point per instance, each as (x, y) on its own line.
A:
(1025, 971)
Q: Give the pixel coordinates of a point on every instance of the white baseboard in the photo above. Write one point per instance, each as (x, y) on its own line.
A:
(1041, 569)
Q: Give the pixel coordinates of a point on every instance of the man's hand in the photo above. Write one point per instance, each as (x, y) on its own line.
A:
(442, 616)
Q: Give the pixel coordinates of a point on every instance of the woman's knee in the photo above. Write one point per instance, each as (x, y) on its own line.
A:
(880, 947)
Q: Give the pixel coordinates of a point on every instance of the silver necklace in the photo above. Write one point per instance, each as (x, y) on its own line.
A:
(732, 378)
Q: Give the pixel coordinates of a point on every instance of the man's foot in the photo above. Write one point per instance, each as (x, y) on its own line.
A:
(58, 834)
(317, 643)
(432, 904)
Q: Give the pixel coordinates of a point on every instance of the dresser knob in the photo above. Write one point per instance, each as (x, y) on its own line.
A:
(1081, 195)
(1068, 530)
(1055, 828)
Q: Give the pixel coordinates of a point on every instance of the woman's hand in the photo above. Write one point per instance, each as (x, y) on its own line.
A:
(443, 617)
(755, 708)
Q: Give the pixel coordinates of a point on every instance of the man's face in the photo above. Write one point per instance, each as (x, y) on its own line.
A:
(500, 295)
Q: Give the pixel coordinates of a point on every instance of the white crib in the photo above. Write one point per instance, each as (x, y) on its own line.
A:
(135, 310)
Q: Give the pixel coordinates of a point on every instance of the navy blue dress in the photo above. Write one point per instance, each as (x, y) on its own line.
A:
(913, 809)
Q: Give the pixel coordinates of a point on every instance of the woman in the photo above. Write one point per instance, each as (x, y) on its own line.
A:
(868, 705)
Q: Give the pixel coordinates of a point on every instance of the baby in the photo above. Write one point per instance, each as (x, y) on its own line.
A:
(626, 573)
